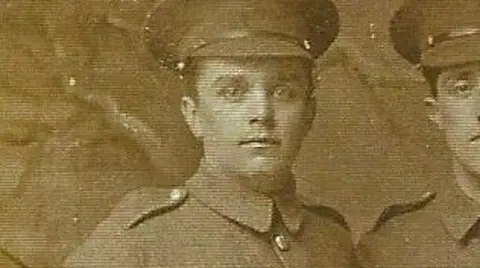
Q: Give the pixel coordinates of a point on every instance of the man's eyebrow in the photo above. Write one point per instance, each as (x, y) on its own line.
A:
(227, 76)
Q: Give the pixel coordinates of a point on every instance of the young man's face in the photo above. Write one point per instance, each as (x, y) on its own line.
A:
(458, 113)
(251, 114)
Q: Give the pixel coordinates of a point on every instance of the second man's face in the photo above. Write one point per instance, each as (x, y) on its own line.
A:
(458, 104)
(253, 114)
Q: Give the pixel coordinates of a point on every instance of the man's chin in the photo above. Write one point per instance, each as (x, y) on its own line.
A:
(265, 166)
(266, 181)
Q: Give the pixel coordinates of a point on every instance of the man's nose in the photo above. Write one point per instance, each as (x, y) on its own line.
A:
(262, 109)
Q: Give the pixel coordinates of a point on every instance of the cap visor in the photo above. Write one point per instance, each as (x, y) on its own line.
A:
(455, 52)
(250, 47)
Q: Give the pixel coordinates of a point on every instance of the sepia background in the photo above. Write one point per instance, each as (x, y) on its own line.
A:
(83, 120)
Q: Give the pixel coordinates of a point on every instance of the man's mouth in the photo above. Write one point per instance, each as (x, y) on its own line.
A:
(260, 142)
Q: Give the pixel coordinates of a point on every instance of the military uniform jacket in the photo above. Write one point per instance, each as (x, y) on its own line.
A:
(437, 230)
(214, 222)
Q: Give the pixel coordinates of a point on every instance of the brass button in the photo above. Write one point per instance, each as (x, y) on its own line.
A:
(176, 195)
(281, 243)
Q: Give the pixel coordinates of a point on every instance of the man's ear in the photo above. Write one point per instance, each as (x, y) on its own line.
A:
(434, 113)
(188, 107)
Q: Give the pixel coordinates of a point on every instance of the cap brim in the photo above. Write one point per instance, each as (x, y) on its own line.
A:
(251, 47)
(454, 52)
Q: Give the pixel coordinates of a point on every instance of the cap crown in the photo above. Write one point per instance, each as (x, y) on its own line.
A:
(422, 25)
(176, 29)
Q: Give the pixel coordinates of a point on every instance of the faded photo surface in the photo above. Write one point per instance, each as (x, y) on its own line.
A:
(239, 133)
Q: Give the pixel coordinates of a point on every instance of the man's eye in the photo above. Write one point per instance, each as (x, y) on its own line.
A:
(234, 91)
(463, 88)
(283, 92)
(231, 88)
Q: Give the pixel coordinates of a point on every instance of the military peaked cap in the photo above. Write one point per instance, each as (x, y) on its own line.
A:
(437, 33)
(176, 30)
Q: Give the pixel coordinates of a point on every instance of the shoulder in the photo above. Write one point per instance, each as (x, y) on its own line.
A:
(400, 231)
(142, 204)
(110, 245)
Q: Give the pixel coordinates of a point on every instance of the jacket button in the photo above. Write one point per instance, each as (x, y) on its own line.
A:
(281, 243)
(177, 195)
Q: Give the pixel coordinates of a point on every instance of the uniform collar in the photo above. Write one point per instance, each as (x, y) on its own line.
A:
(229, 198)
(459, 212)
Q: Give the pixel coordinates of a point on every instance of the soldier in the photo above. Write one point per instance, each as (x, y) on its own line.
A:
(247, 70)
(440, 229)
